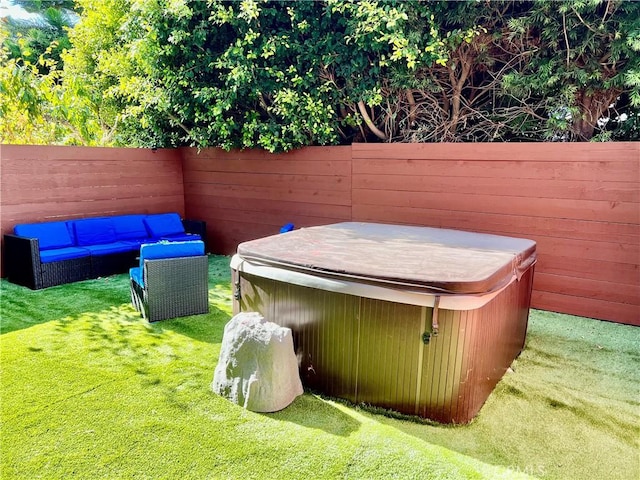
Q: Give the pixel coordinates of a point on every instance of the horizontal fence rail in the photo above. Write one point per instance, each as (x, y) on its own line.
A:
(579, 201)
(250, 194)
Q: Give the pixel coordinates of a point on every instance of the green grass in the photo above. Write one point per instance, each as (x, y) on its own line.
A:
(90, 390)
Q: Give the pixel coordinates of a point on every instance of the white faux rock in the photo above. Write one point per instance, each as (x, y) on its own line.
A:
(257, 368)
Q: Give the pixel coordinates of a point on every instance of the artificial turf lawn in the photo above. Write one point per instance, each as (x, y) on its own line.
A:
(90, 390)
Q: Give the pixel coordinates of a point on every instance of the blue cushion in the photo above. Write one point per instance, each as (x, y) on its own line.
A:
(107, 248)
(181, 237)
(130, 227)
(136, 244)
(163, 224)
(155, 251)
(135, 274)
(72, 231)
(93, 231)
(49, 234)
(67, 253)
(152, 251)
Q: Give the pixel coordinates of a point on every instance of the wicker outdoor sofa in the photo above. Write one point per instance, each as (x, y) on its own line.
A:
(41, 255)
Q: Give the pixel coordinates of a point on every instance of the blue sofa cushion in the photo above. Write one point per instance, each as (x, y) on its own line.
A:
(155, 251)
(130, 227)
(163, 224)
(181, 237)
(107, 248)
(66, 253)
(49, 234)
(94, 231)
(136, 244)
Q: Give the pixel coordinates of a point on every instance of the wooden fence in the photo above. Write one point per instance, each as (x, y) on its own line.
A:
(580, 202)
(250, 194)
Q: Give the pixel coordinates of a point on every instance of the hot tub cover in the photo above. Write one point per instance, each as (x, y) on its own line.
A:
(425, 258)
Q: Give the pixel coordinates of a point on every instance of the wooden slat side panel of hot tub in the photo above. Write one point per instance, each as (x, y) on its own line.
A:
(371, 351)
(359, 349)
(472, 352)
(390, 342)
(324, 325)
(325, 337)
(445, 359)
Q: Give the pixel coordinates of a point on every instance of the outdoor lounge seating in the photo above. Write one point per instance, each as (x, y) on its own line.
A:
(40, 255)
(171, 280)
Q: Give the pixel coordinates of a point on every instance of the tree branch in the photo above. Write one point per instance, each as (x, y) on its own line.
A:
(412, 105)
(367, 120)
(566, 38)
(583, 22)
(180, 124)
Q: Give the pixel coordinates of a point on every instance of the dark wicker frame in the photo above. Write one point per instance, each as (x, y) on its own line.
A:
(173, 287)
(106, 265)
(199, 227)
(23, 265)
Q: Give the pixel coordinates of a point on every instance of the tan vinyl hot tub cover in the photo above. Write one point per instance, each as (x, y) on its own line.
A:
(423, 258)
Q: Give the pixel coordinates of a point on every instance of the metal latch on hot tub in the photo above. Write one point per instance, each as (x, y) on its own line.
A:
(237, 294)
(435, 327)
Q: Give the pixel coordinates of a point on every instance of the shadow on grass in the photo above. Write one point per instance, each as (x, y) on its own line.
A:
(311, 411)
(207, 327)
(21, 307)
(174, 358)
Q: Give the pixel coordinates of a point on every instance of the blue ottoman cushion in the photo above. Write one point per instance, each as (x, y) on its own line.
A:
(181, 237)
(155, 251)
(135, 274)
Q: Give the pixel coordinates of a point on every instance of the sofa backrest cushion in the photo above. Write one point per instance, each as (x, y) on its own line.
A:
(94, 231)
(162, 224)
(155, 251)
(130, 227)
(49, 234)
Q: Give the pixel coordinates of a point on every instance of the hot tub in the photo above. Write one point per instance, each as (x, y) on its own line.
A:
(423, 321)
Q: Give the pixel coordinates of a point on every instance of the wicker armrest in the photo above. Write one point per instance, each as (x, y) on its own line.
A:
(22, 261)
